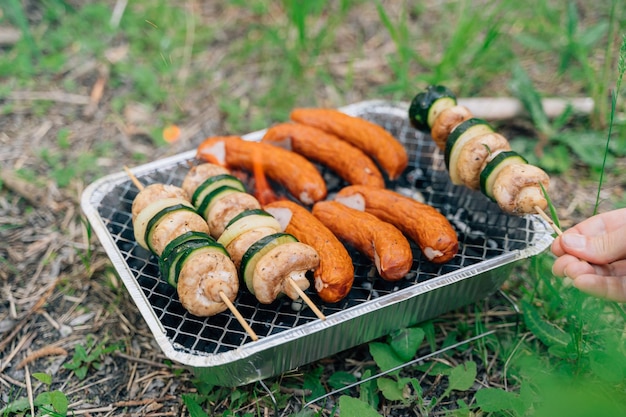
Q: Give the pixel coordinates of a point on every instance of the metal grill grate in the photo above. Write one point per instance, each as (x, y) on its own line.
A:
(485, 234)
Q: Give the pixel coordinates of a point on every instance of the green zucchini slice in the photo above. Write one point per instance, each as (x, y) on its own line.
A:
(246, 221)
(489, 174)
(213, 183)
(256, 251)
(459, 136)
(426, 106)
(156, 219)
(179, 249)
(140, 225)
(205, 206)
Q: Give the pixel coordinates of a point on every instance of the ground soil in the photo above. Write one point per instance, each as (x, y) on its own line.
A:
(56, 294)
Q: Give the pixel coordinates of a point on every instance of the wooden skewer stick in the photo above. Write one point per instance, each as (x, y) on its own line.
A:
(307, 300)
(223, 296)
(239, 317)
(549, 220)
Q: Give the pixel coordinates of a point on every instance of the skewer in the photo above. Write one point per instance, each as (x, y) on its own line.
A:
(239, 317)
(307, 300)
(549, 220)
(223, 296)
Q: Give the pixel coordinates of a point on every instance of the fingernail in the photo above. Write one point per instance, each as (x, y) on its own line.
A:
(574, 241)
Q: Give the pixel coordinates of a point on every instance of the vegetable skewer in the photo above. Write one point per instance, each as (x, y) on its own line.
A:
(270, 261)
(224, 298)
(476, 156)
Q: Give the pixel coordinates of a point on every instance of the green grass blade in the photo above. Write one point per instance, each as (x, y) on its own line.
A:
(621, 68)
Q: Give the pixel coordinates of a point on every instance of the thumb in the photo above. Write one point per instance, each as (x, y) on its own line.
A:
(600, 249)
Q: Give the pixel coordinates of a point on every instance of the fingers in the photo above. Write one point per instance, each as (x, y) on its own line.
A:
(600, 243)
(611, 288)
(605, 281)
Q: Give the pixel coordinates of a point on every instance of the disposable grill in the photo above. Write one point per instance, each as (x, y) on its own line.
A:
(219, 350)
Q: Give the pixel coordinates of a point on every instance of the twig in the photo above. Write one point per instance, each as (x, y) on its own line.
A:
(29, 391)
(549, 220)
(307, 300)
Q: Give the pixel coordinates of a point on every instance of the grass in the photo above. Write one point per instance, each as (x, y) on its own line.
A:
(561, 354)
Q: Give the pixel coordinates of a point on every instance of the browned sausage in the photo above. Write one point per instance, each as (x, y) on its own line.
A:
(347, 161)
(298, 175)
(335, 274)
(371, 138)
(382, 242)
(422, 223)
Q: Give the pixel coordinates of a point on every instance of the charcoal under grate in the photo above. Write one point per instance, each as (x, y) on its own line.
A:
(490, 242)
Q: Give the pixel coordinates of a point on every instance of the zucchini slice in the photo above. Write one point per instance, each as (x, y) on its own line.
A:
(459, 136)
(256, 251)
(489, 174)
(426, 106)
(244, 222)
(156, 219)
(205, 206)
(212, 183)
(140, 225)
(175, 253)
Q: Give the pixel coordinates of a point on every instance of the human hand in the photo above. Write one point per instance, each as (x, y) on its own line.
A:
(593, 255)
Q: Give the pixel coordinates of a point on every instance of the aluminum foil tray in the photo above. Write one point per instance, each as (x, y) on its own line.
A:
(219, 350)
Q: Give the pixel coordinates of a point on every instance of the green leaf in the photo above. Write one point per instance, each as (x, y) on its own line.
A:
(406, 342)
(56, 399)
(43, 377)
(493, 400)
(384, 356)
(392, 390)
(340, 379)
(313, 382)
(368, 391)
(548, 333)
(195, 409)
(81, 372)
(353, 407)
(461, 377)
(604, 366)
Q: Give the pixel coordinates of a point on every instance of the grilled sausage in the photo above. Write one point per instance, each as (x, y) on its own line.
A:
(422, 223)
(382, 242)
(347, 161)
(335, 275)
(371, 138)
(298, 175)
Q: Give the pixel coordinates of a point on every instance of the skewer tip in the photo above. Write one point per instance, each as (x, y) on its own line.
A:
(239, 317)
(307, 300)
(549, 220)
